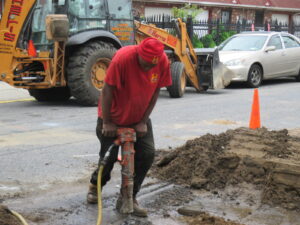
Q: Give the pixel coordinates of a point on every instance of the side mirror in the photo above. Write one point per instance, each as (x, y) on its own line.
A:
(270, 48)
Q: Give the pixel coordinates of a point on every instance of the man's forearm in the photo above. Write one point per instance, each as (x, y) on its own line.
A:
(107, 96)
(151, 106)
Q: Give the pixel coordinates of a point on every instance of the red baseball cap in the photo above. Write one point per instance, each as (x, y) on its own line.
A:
(151, 49)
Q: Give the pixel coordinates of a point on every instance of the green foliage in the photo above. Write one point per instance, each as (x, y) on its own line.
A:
(196, 42)
(211, 40)
(187, 10)
(208, 41)
(223, 35)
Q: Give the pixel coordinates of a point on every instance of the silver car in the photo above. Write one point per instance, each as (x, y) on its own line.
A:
(254, 56)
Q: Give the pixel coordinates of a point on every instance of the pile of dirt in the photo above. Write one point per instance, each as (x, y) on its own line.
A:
(7, 218)
(268, 159)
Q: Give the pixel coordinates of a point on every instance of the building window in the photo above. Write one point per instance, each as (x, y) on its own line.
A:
(225, 17)
(259, 18)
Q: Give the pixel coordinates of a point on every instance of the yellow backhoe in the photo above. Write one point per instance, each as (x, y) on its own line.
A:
(61, 48)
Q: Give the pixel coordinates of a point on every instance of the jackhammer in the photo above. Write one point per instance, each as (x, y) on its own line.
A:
(125, 138)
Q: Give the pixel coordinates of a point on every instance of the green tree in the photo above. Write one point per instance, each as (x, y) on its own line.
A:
(187, 10)
(184, 13)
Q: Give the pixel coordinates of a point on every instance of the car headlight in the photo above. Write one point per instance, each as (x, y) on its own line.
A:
(234, 62)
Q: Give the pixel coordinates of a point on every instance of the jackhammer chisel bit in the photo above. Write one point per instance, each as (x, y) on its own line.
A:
(126, 139)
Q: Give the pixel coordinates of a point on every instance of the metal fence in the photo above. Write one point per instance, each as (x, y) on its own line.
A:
(202, 28)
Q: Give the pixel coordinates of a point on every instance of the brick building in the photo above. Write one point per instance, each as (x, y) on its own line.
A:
(254, 11)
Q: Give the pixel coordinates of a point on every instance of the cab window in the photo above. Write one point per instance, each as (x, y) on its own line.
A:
(1, 8)
(87, 8)
(275, 41)
(290, 42)
(87, 14)
(120, 9)
(42, 9)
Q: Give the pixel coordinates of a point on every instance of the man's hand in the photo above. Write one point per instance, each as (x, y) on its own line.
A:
(109, 130)
(141, 129)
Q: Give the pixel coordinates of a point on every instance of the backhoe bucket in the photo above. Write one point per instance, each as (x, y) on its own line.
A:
(210, 71)
(221, 74)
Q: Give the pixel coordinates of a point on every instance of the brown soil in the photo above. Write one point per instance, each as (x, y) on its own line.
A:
(194, 216)
(206, 219)
(268, 159)
(7, 218)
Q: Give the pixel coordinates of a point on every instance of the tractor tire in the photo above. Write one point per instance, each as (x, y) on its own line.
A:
(51, 94)
(86, 71)
(177, 89)
(255, 76)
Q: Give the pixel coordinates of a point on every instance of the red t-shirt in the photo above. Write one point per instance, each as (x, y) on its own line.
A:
(134, 87)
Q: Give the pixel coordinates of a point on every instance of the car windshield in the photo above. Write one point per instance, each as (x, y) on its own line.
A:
(244, 43)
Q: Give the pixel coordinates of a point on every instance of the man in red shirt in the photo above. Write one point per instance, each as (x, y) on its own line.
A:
(131, 88)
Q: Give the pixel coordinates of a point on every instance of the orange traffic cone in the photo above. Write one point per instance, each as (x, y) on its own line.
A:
(31, 49)
(255, 114)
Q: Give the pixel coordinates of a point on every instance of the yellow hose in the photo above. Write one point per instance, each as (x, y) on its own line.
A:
(99, 220)
(20, 218)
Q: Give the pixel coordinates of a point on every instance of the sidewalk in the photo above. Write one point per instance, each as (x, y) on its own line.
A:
(9, 93)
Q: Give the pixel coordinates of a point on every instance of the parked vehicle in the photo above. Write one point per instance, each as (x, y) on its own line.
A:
(257, 56)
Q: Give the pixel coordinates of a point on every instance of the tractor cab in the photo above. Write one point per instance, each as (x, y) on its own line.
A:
(87, 17)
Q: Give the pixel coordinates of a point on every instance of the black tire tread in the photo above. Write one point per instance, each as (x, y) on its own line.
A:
(84, 92)
(249, 83)
(176, 71)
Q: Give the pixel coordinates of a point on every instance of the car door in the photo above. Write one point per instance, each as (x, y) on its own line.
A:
(292, 59)
(273, 60)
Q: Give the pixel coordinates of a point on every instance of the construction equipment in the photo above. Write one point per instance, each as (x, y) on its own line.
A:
(199, 68)
(62, 48)
(125, 138)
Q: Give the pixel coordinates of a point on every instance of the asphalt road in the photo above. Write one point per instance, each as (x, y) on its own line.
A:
(46, 145)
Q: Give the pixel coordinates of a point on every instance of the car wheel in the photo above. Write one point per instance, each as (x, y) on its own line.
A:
(255, 76)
